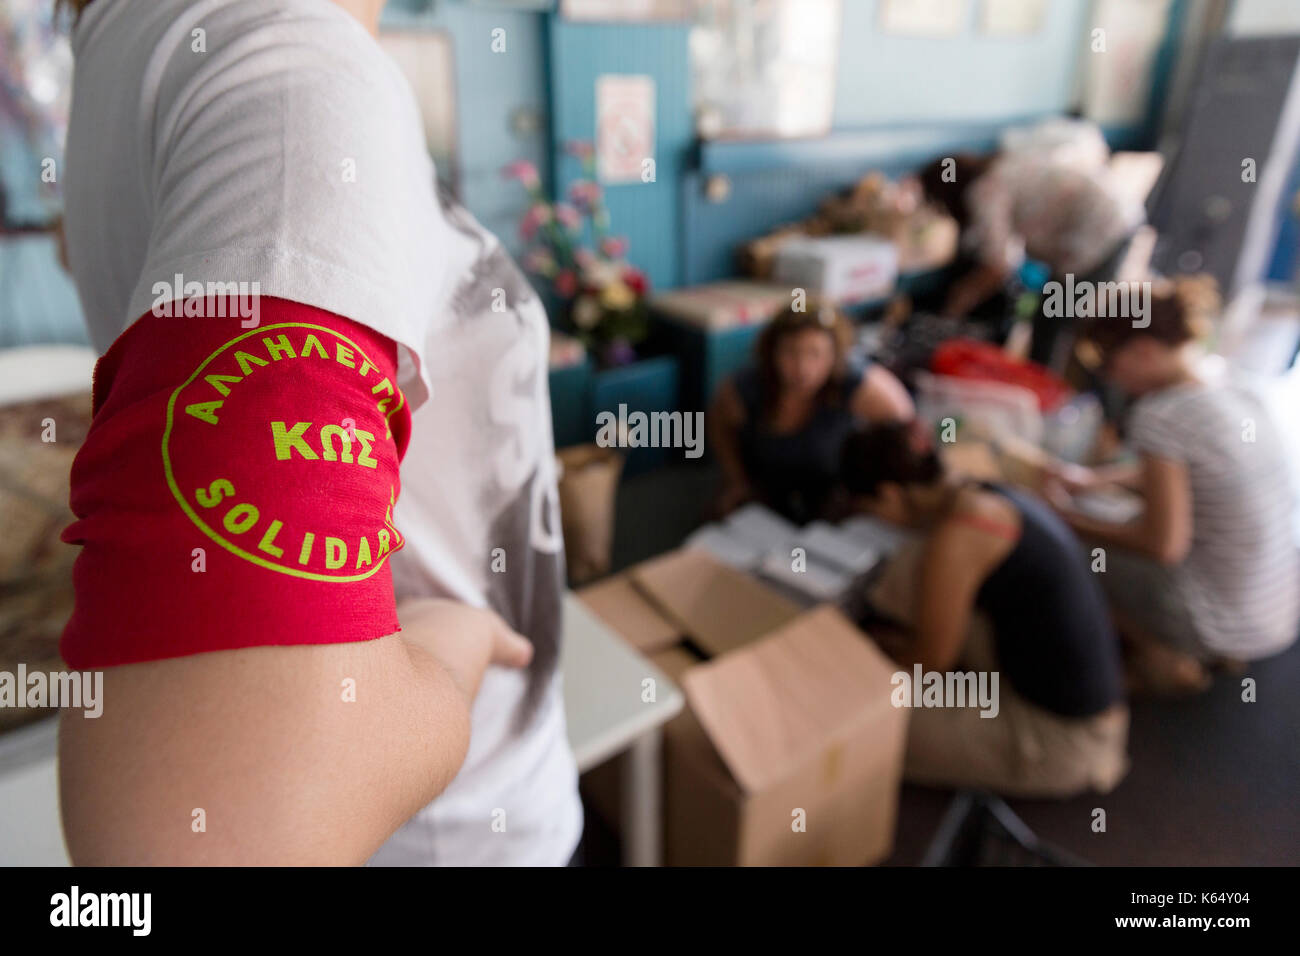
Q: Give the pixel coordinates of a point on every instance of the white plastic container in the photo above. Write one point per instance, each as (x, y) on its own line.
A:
(838, 268)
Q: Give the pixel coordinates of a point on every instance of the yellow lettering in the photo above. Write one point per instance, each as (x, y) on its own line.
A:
(343, 355)
(383, 541)
(243, 358)
(234, 519)
(365, 438)
(365, 368)
(204, 411)
(336, 553)
(311, 343)
(286, 441)
(279, 348)
(363, 554)
(385, 386)
(211, 496)
(216, 381)
(327, 432)
(267, 543)
(305, 554)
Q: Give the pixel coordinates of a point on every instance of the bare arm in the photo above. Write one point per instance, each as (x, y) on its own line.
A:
(973, 288)
(1125, 474)
(957, 559)
(1164, 529)
(881, 397)
(726, 417)
(308, 754)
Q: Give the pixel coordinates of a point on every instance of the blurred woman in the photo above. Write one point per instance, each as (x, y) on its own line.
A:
(778, 425)
(1209, 570)
(1074, 220)
(1061, 726)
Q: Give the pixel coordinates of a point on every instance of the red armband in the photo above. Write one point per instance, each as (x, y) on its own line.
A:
(236, 487)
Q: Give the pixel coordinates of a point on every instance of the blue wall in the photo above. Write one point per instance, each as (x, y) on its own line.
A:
(885, 78)
(899, 99)
(647, 213)
(490, 88)
(38, 302)
(954, 91)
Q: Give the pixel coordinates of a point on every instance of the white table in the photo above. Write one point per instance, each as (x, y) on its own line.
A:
(30, 831)
(603, 684)
(608, 714)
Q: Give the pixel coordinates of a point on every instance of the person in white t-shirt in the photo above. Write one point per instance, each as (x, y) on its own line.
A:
(267, 153)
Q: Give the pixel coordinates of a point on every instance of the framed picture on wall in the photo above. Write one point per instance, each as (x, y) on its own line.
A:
(1010, 18)
(923, 17)
(764, 68)
(625, 10)
(625, 127)
(425, 57)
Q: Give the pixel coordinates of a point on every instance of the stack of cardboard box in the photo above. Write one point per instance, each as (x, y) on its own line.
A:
(790, 751)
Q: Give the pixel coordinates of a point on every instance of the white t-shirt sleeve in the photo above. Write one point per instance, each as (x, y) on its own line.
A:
(289, 155)
(1155, 429)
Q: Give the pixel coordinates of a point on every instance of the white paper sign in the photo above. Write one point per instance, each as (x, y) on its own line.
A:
(1013, 17)
(923, 17)
(625, 127)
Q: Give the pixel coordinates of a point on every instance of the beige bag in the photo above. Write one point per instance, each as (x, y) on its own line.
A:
(588, 480)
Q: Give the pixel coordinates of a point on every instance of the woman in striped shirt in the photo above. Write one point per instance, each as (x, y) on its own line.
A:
(1209, 572)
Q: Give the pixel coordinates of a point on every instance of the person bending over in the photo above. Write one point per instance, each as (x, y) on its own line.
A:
(1061, 723)
(1209, 572)
(1075, 221)
(778, 425)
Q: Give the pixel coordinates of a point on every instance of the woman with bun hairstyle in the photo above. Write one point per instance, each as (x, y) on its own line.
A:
(1208, 573)
(1055, 722)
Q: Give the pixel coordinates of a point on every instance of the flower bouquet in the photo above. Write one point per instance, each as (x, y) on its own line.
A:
(603, 298)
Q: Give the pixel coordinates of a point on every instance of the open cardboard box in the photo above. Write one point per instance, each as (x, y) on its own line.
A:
(790, 751)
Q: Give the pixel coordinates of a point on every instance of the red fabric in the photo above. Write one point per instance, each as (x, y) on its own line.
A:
(224, 409)
(988, 525)
(980, 361)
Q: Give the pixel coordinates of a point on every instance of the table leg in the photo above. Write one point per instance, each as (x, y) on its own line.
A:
(642, 795)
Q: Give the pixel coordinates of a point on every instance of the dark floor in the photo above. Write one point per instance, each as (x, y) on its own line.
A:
(1215, 780)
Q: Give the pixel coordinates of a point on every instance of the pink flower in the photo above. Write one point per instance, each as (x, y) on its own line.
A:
(636, 281)
(567, 215)
(566, 283)
(539, 261)
(584, 194)
(584, 257)
(581, 148)
(537, 216)
(525, 172)
(613, 247)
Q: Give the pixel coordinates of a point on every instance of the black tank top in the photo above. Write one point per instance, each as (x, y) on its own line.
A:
(1053, 633)
(795, 473)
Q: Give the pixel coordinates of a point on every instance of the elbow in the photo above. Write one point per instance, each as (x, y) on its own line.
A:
(1169, 553)
(448, 726)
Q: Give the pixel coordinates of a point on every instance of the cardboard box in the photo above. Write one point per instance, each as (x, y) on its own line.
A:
(789, 751)
(718, 607)
(795, 753)
(724, 305)
(618, 603)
